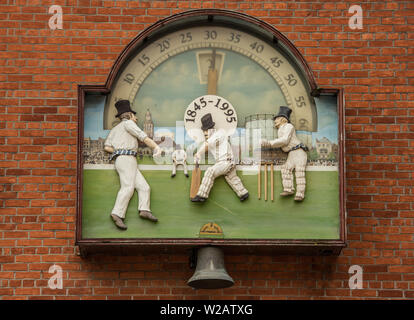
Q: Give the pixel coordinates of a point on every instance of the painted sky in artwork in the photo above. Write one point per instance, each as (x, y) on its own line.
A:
(175, 83)
(93, 117)
(327, 119)
(94, 109)
(171, 87)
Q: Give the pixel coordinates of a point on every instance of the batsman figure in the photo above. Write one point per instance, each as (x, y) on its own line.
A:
(217, 143)
(122, 142)
(297, 156)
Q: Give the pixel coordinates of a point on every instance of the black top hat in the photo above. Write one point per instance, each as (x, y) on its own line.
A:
(207, 122)
(283, 112)
(123, 106)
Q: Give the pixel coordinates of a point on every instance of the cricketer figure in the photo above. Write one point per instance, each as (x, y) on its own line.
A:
(217, 143)
(179, 157)
(297, 156)
(122, 142)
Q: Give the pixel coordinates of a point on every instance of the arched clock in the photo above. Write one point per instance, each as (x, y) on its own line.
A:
(241, 70)
(257, 71)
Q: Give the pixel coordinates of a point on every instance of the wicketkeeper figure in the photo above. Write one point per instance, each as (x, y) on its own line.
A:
(217, 143)
(122, 142)
(297, 156)
(179, 157)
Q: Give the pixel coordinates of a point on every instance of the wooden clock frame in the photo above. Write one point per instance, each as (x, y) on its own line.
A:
(257, 246)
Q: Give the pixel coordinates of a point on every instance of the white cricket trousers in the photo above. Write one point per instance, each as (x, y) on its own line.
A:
(296, 160)
(226, 168)
(174, 170)
(130, 178)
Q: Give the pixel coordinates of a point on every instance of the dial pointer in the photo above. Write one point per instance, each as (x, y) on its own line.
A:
(212, 75)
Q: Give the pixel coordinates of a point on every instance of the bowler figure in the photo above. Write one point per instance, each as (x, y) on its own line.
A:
(122, 142)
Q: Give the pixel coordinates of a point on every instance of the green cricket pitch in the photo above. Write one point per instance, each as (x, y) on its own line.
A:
(317, 217)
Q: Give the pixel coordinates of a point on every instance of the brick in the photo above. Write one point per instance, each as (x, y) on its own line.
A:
(15, 234)
(15, 267)
(79, 291)
(43, 141)
(106, 291)
(390, 293)
(401, 269)
(27, 291)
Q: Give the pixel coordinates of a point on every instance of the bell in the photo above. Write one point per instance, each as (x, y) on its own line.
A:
(210, 271)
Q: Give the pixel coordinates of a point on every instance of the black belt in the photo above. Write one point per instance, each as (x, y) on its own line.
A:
(299, 146)
(122, 152)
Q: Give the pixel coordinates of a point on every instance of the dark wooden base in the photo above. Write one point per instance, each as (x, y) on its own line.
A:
(181, 246)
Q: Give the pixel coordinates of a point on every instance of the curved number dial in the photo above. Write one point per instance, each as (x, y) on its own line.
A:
(219, 41)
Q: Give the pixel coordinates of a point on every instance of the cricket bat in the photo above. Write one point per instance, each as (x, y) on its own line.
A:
(195, 180)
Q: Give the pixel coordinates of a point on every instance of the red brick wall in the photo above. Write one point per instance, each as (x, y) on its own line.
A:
(39, 73)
